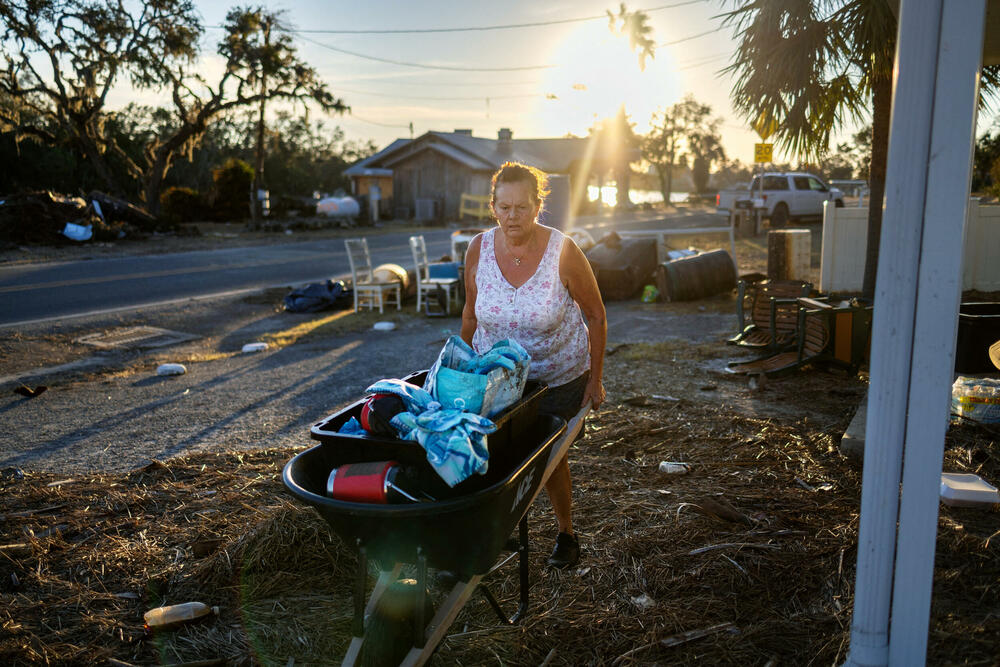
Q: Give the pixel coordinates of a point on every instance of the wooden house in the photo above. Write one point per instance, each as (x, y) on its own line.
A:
(432, 172)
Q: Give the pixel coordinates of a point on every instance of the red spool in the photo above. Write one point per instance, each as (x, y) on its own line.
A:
(366, 482)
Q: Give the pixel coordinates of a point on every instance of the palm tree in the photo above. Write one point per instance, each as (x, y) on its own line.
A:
(634, 25)
(811, 66)
(705, 147)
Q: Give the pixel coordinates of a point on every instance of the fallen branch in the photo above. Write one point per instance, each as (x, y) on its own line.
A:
(726, 545)
(677, 640)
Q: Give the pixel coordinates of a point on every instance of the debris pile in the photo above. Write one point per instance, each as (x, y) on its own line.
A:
(50, 218)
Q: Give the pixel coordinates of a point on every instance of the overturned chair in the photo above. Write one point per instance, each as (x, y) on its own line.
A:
(824, 332)
(773, 316)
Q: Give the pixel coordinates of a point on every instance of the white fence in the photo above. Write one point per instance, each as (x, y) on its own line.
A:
(845, 239)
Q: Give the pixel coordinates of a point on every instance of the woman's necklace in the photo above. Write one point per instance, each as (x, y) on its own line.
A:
(527, 246)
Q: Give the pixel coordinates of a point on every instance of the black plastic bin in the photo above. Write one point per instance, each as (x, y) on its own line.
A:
(978, 328)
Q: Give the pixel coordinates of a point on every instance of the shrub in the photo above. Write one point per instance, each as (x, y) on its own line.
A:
(231, 194)
(179, 204)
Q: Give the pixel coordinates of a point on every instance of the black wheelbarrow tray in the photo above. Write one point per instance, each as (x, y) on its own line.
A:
(462, 531)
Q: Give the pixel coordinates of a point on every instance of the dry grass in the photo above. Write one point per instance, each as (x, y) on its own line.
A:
(756, 545)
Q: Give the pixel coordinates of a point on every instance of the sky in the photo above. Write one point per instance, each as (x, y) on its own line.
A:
(560, 78)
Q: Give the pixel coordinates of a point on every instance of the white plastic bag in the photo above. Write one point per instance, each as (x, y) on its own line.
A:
(977, 399)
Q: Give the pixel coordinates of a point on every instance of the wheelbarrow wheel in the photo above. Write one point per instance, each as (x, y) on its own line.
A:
(389, 630)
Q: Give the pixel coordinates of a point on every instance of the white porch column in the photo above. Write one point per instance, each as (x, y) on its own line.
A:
(919, 280)
(939, 292)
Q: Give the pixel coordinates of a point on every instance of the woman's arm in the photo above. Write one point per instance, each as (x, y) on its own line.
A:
(576, 274)
(469, 322)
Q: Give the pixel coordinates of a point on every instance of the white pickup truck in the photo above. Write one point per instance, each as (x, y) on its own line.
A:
(784, 196)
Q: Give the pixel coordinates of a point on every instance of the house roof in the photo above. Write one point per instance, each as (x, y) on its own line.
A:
(481, 153)
(359, 168)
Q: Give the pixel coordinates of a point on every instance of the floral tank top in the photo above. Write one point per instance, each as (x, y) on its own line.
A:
(540, 315)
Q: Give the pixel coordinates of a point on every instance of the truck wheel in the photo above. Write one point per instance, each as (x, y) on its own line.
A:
(839, 203)
(779, 218)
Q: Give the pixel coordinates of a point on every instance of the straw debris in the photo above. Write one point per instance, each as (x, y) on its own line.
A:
(747, 559)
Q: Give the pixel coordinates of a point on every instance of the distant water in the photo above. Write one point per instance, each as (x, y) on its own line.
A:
(609, 195)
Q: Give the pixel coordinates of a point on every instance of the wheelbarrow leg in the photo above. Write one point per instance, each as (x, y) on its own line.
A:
(522, 561)
(418, 613)
(445, 616)
(358, 628)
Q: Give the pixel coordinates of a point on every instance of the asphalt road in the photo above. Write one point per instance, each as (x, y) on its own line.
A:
(34, 292)
(38, 291)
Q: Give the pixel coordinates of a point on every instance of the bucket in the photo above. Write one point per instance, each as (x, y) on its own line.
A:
(368, 482)
(978, 329)
(696, 277)
(460, 240)
(387, 273)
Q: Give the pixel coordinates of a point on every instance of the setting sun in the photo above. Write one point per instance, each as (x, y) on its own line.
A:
(595, 73)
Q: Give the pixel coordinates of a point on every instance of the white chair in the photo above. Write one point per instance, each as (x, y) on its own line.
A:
(367, 290)
(449, 287)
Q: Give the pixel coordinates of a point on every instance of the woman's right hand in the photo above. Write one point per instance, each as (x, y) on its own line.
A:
(594, 393)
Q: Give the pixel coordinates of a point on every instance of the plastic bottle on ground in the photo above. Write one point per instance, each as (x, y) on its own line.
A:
(163, 618)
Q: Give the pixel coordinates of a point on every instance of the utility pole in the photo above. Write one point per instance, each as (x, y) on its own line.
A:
(256, 191)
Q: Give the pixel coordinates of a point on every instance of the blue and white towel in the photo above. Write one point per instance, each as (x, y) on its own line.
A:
(455, 440)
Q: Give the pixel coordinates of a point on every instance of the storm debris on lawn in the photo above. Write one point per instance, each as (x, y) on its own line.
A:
(743, 564)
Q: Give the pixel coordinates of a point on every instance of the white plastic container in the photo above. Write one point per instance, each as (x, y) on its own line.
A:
(338, 207)
(967, 490)
(171, 369)
(163, 618)
(254, 347)
(674, 468)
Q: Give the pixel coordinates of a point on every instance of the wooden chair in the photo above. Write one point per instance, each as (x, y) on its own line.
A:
(815, 322)
(773, 312)
(447, 287)
(367, 290)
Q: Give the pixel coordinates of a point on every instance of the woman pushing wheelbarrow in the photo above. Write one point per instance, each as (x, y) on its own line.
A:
(532, 284)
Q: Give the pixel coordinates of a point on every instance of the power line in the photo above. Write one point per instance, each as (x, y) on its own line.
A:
(508, 26)
(686, 39)
(375, 122)
(439, 99)
(701, 62)
(421, 65)
(446, 84)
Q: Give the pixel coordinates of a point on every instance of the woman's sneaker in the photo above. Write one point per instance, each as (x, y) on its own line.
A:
(566, 553)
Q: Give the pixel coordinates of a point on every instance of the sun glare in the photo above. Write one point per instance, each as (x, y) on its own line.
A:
(595, 73)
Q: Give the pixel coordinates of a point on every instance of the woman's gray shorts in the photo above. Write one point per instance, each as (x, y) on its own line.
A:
(565, 400)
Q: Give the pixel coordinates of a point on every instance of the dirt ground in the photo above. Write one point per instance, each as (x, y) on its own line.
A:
(748, 559)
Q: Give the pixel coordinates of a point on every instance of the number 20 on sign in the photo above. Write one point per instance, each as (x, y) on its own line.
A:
(762, 152)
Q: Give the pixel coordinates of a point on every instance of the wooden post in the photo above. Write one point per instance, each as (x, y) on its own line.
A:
(256, 211)
(788, 254)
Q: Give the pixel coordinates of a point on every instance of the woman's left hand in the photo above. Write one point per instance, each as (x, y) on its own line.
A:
(594, 393)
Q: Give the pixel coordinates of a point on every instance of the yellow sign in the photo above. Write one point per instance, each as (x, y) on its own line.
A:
(765, 126)
(762, 152)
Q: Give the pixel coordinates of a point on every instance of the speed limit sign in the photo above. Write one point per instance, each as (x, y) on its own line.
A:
(762, 152)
